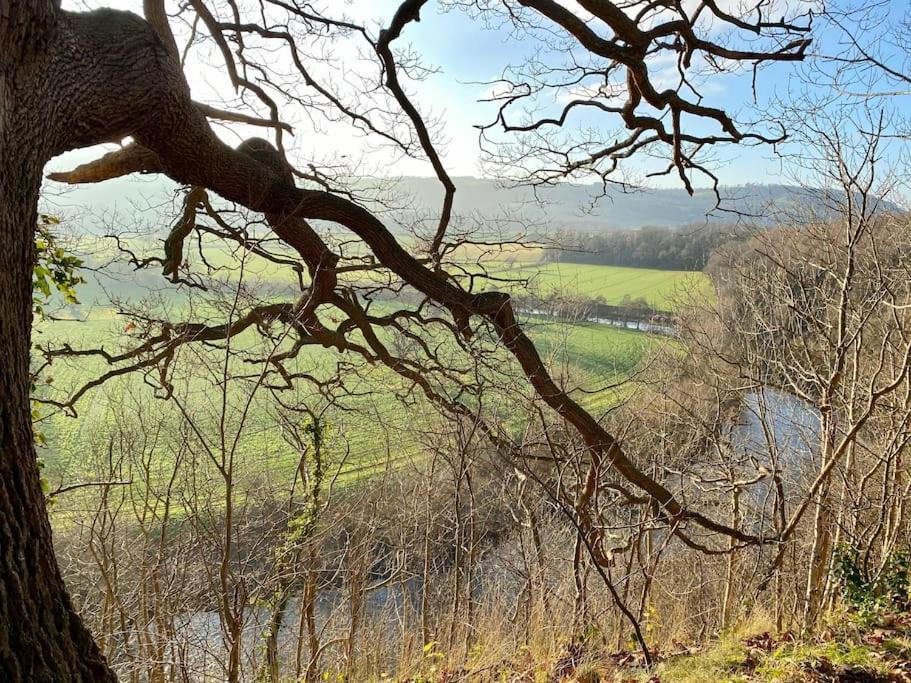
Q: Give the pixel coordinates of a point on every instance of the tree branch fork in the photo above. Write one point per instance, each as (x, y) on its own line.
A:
(178, 141)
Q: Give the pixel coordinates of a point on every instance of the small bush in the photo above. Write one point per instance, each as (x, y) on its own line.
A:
(870, 596)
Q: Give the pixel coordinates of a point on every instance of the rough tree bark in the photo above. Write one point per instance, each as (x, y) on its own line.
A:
(41, 637)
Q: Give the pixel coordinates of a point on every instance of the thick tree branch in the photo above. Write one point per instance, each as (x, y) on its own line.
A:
(257, 176)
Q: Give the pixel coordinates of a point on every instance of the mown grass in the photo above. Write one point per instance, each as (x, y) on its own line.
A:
(511, 269)
(661, 289)
(377, 426)
(358, 430)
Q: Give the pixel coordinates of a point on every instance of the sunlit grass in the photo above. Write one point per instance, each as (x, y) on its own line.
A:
(367, 433)
(661, 289)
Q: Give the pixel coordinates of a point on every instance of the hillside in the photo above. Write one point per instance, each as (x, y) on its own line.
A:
(570, 206)
(580, 207)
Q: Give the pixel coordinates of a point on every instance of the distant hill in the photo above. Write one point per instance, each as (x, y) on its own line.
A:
(579, 207)
(150, 199)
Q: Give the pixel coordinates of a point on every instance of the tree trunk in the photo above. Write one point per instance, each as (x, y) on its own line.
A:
(41, 636)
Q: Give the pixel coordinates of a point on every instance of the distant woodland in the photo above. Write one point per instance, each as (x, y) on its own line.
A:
(684, 248)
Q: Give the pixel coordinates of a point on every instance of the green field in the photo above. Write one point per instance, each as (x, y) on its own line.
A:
(521, 272)
(662, 289)
(379, 425)
(379, 421)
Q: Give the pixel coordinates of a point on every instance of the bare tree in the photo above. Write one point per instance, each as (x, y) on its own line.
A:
(605, 59)
(70, 80)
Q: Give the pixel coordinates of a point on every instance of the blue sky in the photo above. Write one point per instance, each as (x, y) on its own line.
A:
(467, 52)
(470, 52)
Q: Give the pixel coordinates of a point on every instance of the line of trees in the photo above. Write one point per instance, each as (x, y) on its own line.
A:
(685, 248)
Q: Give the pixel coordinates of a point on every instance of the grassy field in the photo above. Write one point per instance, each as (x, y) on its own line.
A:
(380, 423)
(519, 270)
(380, 420)
(662, 289)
